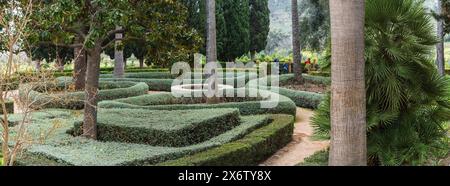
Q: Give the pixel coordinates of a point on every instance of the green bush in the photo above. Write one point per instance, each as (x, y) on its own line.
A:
(37, 95)
(248, 151)
(301, 98)
(317, 159)
(65, 149)
(163, 128)
(163, 81)
(166, 101)
(9, 107)
(153, 84)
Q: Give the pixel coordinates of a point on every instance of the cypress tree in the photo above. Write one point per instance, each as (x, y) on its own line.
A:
(237, 41)
(259, 25)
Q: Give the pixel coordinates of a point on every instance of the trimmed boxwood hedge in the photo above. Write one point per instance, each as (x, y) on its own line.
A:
(256, 140)
(248, 151)
(166, 101)
(68, 150)
(301, 98)
(9, 107)
(75, 100)
(163, 81)
(140, 126)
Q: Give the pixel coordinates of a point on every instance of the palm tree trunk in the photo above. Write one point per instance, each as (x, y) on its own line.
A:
(296, 45)
(211, 43)
(440, 58)
(348, 94)
(119, 62)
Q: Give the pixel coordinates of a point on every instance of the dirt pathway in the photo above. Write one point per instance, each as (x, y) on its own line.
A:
(302, 146)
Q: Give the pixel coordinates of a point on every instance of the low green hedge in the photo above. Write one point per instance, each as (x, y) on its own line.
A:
(9, 107)
(153, 84)
(75, 100)
(246, 105)
(301, 98)
(161, 128)
(248, 151)
(65, 149)
(164, 81)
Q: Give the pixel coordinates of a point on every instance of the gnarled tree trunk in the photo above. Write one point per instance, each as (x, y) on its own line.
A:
(296, 45)
(348, 104)
(91, 89)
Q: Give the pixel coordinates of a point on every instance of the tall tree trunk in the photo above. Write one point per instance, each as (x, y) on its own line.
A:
(91, 89)
(119, 65)
(211, 43)
(348, 94)
(296, 45)
(440, 58)
(141, 63)
(79, 73)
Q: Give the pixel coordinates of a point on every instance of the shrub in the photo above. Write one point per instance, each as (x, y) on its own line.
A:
(163, 81)
(75, 100)
(68, 150)
(166, 101)
(161, 128)
(317, 159)
(301, 98)
(248, 151)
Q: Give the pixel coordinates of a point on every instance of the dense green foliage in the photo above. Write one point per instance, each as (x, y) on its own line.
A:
(259, 24)
(317, 159)
(242, 25)
(407, 100)
(161, 128)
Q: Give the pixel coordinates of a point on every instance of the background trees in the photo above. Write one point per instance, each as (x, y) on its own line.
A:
(233, 25)
(259, 25)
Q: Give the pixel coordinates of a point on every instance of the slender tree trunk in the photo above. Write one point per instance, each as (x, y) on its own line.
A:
(79, 73)
(119, 65)
(211, 43)
(348, 94)
(91, 89)
(440, 58)
(296, 45)
(141, 63)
